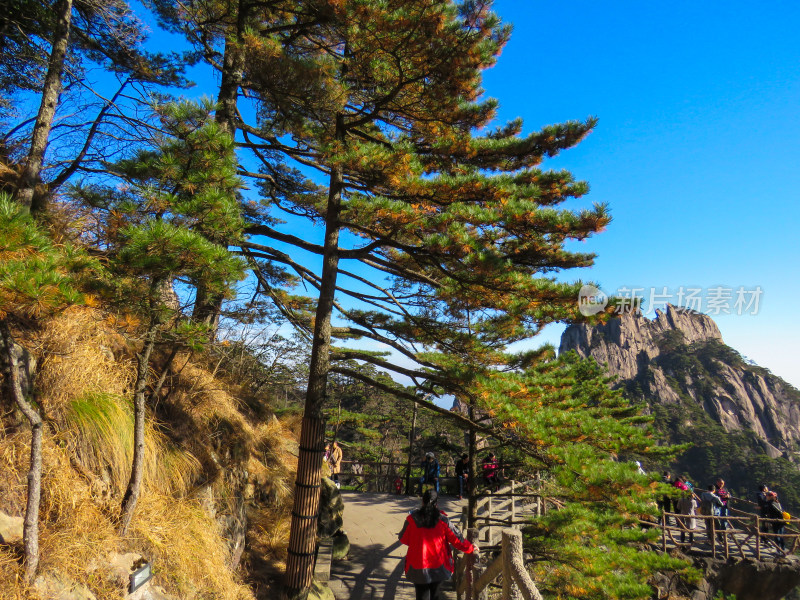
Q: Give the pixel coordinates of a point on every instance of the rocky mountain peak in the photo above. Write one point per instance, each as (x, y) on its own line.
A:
(679, 358)
(624, 342)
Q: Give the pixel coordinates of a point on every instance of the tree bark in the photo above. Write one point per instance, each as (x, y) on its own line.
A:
(30, 530)
(411, 435)
(29, 178)
(137, 466)
(305, 512)
(232, 74)
(473, 470)
(207, 306)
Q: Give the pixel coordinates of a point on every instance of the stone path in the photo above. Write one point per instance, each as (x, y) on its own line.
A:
(374, 568)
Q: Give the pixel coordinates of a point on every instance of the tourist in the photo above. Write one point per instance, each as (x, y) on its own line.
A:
(775, 512)
(725, 496)
(490, 468)
(680, 483)
(462, 473)
(761, 500)
(430, 472)
(335, 461)
(429, 536)
(710, 504)
(665, 504)
(687, 505)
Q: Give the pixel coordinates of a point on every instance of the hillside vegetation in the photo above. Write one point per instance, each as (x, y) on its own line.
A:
(208, 460)
(696, 372)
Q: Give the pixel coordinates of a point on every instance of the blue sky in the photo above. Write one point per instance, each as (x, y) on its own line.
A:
(696, 151)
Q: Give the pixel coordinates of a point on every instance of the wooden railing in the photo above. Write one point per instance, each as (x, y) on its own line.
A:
(511, 506)
(740, 533)
(377, 476)
(472, 579)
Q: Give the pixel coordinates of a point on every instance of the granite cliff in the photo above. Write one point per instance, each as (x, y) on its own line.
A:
(744, 421)
(646, 357)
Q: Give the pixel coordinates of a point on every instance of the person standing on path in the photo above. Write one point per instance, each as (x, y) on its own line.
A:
(725, 496)
(429, 536)
(687, 506)
(462, 472)
(430, 472)
(710, 504)
(335, 462)
(490, 471)
(775, 512)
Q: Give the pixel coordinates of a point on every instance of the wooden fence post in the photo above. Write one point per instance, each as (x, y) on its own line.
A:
(725, 525)
(758, 538)
(488, 515)
(514, 564)
(470, 571)
(513, 503)
(713, 539)
(510, 590)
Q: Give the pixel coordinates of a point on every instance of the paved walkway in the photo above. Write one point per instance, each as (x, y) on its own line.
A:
(374, 568)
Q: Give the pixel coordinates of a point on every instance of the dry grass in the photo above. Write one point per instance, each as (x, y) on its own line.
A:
(189, 553)
(77, 351)
(11, 585)
(99, 430)
(186, 547)
(74, 531)
(85, 375)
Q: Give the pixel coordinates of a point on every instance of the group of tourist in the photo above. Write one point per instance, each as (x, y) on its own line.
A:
(430, 472)
(714, 501)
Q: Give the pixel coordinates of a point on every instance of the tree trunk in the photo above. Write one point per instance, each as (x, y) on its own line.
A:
(302, 538)
(232, 74)
(411, 435)
(30, 530)
(473, 470)
(26, 194)
(137, 466)
(207, 306)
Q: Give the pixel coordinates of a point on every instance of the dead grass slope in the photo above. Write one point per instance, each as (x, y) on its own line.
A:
(209, 460)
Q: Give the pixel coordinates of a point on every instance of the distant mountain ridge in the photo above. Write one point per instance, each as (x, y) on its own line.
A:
(736, 394)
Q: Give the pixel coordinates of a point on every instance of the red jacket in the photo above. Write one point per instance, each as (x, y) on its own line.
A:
(429, 555)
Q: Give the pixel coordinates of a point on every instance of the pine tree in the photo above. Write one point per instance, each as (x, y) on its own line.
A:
(164, 225)
(440, 238)
(583, 436)
(441, 223)
(226, 33)
(74, 35)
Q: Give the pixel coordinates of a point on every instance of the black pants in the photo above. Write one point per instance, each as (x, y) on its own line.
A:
(427, 591)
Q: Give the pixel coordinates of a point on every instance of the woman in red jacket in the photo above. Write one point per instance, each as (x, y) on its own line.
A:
(429, 535)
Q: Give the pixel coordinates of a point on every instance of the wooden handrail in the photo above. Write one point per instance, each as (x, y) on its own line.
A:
(472, 580)
(749, 525)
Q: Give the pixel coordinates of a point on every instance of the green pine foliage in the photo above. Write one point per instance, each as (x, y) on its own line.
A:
(580, 433)
(442, 241)
(173, 215)
(37, 276)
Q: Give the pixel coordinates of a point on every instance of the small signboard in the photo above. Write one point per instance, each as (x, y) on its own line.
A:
(140, 576)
